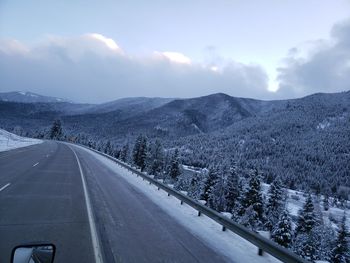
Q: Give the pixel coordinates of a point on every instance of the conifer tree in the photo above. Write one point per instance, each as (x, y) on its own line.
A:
(175, 172)
(216, 197)
(140, 152)
(124, 154)
(275, 204)
(251, 208)
(156, 158)
(209, 183)
(283, 233)
(233, 189)
(56, 130)
(307, 218)
(340, 253)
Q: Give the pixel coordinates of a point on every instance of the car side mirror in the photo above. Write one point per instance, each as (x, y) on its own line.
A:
(43, 253)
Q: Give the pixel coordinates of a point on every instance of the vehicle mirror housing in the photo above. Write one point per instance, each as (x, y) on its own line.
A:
(35, 253)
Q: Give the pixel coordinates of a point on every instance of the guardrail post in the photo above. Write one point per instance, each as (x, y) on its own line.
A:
(199, 213)
(223, 228)
(181, 202)
(264, 234)
(168, 194)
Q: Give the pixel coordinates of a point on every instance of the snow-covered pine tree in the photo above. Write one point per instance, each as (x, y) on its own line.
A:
(340, 253)
(306, 218)
(156, 158)
(124, 154)
(209, 182)
(283, 232)
(56, 130)
(275, 204)
(140, 152)
(216, 197)
(233, 189)
(194, 188)
(136, 150)
(143, 153)
(252, 207)
(175, 172)
(306, 242)
(108, 148)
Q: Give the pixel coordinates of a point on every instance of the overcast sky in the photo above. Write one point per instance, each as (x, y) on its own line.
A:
(96, 51)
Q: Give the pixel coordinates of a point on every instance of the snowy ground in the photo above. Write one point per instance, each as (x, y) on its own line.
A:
(235, 248)
(9, 141)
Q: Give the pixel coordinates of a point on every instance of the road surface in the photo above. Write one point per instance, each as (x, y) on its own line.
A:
(42, 199)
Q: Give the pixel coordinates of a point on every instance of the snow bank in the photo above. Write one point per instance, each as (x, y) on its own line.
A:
(233, 247)
(9, 141)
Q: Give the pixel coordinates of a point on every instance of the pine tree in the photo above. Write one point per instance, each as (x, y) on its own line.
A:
(140, 152)
(216, 196)
(209, 183)
(307, 218)
(194, 189)
(56, 130)
(340, 253)
(156, 158)
(283, 233)
(233, 190)
(124, 154)
(275, 204)
(252, 209)
(108, 148)
(174, 166)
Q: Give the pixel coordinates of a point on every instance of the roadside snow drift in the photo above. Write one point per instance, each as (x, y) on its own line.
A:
(9, 141)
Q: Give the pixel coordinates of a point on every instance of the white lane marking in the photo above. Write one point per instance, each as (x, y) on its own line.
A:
(3, 188)
(94, 237)
(35, 164)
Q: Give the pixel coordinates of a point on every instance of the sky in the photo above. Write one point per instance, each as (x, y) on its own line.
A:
(97, 51)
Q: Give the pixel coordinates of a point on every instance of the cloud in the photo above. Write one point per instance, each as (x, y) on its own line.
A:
(93, 68)
(326, 67)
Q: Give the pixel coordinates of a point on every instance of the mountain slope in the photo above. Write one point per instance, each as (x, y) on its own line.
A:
(28, 97)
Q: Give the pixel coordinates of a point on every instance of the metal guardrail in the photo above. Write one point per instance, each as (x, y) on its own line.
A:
(265, 244)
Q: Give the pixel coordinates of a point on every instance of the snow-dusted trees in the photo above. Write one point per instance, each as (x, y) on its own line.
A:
(209, 182)
(251, 208)
(216, 196)
(306, 240)
(306, 218)
(340, 252)
(124, 153)
(175, 171)
(275, 204)
(139, 153)
(56, 130)
(283, 233)
(156, 158)
(233, 189)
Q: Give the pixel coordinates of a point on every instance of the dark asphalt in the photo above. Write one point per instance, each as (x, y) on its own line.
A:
(46, 202)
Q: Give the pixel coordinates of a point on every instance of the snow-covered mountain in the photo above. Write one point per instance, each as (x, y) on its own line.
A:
(28, 97)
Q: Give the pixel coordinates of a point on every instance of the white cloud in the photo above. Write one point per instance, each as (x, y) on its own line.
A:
(93, 68)
(107, 41)
(176, 57)
(323, 68)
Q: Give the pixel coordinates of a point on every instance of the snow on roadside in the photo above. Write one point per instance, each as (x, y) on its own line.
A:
(230, 245)
(9, 141)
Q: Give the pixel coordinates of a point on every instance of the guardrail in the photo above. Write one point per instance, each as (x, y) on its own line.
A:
(265, 244)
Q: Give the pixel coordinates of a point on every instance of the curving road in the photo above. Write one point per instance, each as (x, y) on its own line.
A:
(42, 199)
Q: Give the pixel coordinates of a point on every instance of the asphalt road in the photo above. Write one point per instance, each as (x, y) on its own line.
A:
(44, 200)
